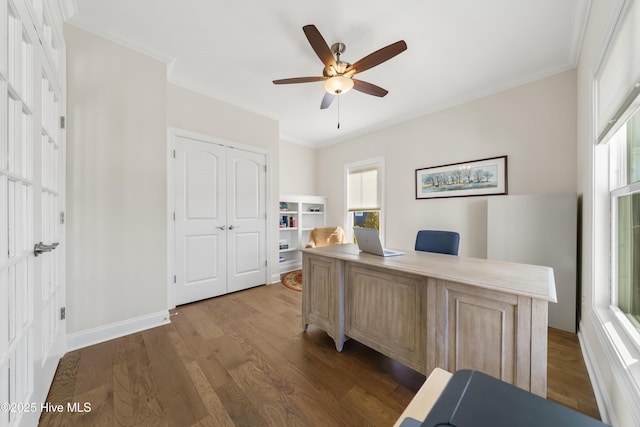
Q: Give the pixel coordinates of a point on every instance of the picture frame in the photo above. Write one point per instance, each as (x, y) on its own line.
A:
(484, 177)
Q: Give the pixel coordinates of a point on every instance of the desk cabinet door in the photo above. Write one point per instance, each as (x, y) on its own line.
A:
(387, 312)
(483, 330)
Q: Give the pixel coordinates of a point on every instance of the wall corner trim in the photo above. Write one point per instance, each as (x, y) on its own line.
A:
(111, 331)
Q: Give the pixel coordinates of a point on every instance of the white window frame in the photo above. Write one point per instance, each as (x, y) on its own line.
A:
(620, 339)
(348, 216)
(615, 193)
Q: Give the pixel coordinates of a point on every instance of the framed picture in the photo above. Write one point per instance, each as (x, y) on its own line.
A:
(476, 178)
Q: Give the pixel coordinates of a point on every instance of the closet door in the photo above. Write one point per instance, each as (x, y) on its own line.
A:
(220, 219)
(246, 219)
(200, 222)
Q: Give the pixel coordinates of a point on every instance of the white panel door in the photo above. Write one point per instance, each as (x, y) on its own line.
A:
(200, 223)
(220, 219)
(246, 218)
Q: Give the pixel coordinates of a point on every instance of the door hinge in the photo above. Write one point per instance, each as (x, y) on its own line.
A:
(63, 313)
(61, 217)
(174, 216)
(174, 154)
(175, 279)
(265, 168)
(266, 263)
(63, 122)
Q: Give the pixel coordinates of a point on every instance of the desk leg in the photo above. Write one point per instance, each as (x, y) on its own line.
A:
(323, 296)
(339, 321)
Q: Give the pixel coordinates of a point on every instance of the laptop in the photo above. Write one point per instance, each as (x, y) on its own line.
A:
(369, 241)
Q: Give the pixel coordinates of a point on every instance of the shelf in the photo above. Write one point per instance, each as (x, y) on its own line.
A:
(298, 208)
(288, 250)
(288, 266)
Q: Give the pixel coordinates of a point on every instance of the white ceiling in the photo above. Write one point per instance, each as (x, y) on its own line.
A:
(458, 50)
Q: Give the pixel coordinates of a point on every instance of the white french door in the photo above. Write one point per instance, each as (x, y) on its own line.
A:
(246, 216)
(31, 200)
(200, 220)
(220, 219)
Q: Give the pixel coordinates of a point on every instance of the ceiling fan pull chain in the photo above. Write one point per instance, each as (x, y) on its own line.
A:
(338, 112)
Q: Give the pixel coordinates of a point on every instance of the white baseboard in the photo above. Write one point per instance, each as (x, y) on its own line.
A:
(594, 375)
(613, 384)
(116, 330)
(275, 278)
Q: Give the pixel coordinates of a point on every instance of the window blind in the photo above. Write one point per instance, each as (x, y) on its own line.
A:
(364, 189)
(618, 83)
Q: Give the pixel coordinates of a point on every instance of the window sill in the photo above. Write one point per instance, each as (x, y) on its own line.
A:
(613, 359)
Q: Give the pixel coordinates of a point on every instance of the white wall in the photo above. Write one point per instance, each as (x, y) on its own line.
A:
(297, 169)
(534, 124)
(119, 107)
(116, 174)
(196, 112)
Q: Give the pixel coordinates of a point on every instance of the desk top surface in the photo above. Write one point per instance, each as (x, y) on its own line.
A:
(521, 279)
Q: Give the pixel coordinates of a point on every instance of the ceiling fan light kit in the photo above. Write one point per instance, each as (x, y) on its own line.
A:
(338, 75)
(338, 85)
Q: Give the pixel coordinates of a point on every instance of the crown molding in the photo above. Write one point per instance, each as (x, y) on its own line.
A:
(68, 8)
(449, 103)
(87, 24)
(298, 141)
(580, 19)
(204, 91)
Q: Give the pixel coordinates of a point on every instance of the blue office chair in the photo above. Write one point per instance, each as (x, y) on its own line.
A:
(442, 242)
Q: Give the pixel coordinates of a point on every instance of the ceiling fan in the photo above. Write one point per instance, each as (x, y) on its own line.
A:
(337, 74)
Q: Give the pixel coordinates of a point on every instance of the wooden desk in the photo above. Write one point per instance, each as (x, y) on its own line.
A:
(431, 311)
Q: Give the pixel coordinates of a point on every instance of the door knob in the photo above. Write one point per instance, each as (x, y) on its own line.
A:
(231, 227)
(222, 227)
(40, 248)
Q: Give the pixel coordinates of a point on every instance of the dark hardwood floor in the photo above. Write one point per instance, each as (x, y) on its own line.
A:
(243, 360)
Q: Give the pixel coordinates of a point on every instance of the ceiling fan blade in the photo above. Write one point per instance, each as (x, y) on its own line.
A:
(369, 88)
(327, 100)
(298, 80)
(378, 57)
(319, 45)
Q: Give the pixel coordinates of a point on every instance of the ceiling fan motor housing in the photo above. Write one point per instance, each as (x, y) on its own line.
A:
(339, 69)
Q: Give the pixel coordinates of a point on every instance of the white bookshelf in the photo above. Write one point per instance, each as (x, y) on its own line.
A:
(298, 215)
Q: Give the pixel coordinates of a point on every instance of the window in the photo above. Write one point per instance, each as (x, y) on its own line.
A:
(364, 195)
(624, 179)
